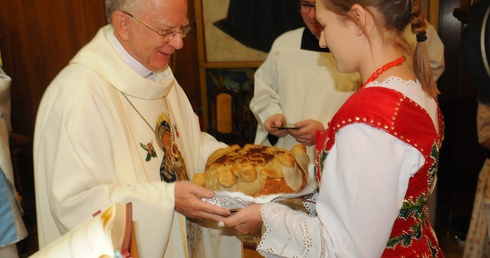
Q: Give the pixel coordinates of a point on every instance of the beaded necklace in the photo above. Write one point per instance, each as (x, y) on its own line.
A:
(383, 68)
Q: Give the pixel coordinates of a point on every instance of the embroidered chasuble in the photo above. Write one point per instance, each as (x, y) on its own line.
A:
(173, 166)
(103, 134)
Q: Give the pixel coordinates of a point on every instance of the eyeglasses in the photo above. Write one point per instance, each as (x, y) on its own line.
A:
(167, 35)
(305, 7)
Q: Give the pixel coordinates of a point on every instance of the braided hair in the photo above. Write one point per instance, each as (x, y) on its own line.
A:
(421, 61)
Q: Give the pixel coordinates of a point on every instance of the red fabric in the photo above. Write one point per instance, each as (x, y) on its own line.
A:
(392, 112)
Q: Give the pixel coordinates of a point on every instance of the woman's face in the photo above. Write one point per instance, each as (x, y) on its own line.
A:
(339, 35)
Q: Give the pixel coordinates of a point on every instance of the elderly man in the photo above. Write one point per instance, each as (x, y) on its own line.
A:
(115, 126)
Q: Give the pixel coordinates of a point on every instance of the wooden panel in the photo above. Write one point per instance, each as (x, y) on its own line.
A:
(434, 13)
(186, 65)
(40, 37)
(38, 40)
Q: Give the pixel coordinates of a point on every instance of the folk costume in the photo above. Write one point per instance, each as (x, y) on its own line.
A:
(377, 165)
(108, 130)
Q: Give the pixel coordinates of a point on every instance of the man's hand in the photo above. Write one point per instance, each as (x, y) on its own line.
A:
(188, 202)
(306, 132)
(273, 123)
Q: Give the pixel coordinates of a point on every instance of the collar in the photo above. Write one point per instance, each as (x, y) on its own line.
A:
(310, 42)
(128, 59)
(104, 59)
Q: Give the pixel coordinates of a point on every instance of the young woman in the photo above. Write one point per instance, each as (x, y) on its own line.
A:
(377, 161)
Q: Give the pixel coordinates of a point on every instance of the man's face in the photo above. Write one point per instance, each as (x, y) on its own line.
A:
(144, 42)
(308, 12)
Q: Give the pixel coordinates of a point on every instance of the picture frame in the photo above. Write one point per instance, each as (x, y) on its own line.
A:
(226, 26)
(243, 30)
(223, 43)
(218, 48)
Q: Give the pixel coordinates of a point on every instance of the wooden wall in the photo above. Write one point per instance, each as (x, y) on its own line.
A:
(38, 38)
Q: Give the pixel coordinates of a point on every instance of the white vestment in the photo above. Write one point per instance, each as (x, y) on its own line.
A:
(91, 149)
(301, 84)
(305, 84)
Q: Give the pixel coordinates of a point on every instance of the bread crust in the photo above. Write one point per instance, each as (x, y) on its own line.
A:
(256, 170)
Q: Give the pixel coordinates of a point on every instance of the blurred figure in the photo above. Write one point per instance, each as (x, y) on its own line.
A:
(12, 228)
(476, 63)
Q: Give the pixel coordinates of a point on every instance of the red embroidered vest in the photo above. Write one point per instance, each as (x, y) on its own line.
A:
(391, 111)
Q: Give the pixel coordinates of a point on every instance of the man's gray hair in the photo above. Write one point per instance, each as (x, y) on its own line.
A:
(114, 5)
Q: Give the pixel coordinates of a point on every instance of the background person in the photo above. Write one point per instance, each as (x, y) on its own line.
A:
(12, 227)
(475, 62)
(299, 84)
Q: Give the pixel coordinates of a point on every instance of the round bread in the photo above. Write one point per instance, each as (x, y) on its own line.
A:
(245, 171)
(199, 179)
(227, 178)
(220, 152)
(256, 170)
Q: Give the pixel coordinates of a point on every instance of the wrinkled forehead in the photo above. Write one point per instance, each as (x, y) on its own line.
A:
(171, 13)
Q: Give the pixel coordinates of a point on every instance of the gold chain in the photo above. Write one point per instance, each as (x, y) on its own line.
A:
(172, 136)
(134, 142)
(172, 133)
(138, 112)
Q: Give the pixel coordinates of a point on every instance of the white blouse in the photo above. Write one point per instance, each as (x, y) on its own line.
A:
(363, 186)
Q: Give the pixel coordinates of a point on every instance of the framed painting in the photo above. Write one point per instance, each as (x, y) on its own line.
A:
(238, 31)
(220, 46)
(238, 34)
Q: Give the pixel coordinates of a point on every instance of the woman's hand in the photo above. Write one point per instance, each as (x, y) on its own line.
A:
(306, 132)
(247, 220)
